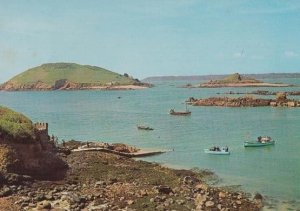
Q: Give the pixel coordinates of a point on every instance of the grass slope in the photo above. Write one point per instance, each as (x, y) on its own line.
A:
(237, 78)
(82, 74)
(15, 126)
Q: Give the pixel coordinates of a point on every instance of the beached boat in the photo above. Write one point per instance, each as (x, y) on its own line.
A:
(217, 151)
(261, 141)
(142, 127)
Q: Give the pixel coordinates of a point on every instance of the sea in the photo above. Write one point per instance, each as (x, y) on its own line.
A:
(113, 116)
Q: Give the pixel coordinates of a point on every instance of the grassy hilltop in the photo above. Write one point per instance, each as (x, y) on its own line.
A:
(15, 126)
(66, 75)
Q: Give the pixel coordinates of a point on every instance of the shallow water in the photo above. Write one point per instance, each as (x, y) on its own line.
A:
(101, 115)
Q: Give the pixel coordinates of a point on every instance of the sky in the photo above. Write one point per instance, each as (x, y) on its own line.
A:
(152, 37)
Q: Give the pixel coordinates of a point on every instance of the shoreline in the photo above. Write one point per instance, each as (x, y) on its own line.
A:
(97, 180)
(215, 179)
(121, 87)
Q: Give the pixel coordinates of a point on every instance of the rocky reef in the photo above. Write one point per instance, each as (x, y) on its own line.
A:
(280, 101)
(261, 92)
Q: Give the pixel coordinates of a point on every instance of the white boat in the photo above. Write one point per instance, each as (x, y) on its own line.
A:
(217, 151)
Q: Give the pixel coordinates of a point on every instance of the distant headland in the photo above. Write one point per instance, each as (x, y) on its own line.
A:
(71, 76)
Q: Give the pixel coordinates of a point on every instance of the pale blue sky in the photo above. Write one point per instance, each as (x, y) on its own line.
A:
(152, 37)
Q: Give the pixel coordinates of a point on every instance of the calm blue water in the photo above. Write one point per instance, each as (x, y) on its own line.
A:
(100, 115)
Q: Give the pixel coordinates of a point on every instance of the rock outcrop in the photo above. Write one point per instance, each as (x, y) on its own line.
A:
(281, 101)
(26, 148)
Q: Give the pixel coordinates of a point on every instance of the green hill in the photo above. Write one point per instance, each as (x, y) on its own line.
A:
(15, 126)
(66, 75)
(237, 78)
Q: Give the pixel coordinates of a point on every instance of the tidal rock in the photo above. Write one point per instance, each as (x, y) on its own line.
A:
(6, 191)
(209, 203)
(44, 205)
(200, 199)
(222, 195)
(130, 202)
(201, 186)
(258, 196)
(163, 189)
(180, 202)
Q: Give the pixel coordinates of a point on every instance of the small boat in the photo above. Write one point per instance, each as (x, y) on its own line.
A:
(142, 127)
(261, 141)
(217, 151)
(180, 113)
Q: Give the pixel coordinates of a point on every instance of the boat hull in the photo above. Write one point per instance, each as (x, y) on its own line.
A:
(144, 128)
(217, 152)
(176, 113)
(258, 144)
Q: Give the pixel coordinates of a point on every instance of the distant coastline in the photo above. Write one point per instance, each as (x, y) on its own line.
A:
(216, 77)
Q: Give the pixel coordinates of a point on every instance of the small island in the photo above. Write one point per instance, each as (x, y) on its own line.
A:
(236, 80)
(71, 76)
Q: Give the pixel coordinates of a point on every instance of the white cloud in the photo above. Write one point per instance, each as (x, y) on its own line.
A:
(291, 54)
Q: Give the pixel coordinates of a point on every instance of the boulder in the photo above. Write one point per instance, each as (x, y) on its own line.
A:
(163, 189)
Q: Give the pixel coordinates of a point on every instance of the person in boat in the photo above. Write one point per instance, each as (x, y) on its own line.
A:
(259, 138)
(226, 148)
(172, 110)
(212, 148)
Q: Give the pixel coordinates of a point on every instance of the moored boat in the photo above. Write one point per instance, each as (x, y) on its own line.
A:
(261, 141)
(180, 113)
(217, 151)
(142, 127)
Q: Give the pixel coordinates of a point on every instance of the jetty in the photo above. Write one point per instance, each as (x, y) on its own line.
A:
(118, 149)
